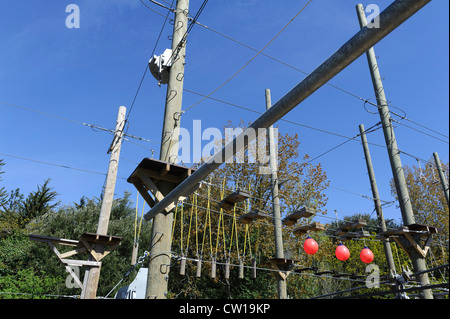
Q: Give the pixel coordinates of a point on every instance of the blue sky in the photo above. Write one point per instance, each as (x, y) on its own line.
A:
(85, 74)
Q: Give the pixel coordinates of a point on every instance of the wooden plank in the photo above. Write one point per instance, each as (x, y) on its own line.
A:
(59, 241)
(74, 252)
(288, 221)
(226, 205)
(237, 196)
(106, 240)
(144, 193)
(72, 262)
(154, 189)
(250, 217)
(304, 212)
(316, 226)
(356, 224)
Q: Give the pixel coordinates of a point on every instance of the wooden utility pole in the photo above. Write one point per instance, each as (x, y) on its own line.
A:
(278, 231)
(160, 256)
(394, 156)
(92, 274)
(442, 177)
(377, 201)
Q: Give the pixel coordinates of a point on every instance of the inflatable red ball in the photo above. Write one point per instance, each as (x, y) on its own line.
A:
(366, 255)
(342, 252)
(310, 246)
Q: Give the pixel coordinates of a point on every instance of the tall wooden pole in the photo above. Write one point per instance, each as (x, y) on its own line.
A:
(377, 201)
(278, 231)
(394, 156)
(92, 274)
(160, 256)
(442, 177)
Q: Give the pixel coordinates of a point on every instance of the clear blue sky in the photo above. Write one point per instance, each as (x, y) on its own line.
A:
(85, 74)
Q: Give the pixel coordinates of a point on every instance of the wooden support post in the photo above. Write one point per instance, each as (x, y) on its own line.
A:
(253, 263)
(183, 266)
(92, 275)
(442, 177)
(227, 269)
(157, 279)
(199, 268)
(241, 268)
(213, 268)
(278, 232)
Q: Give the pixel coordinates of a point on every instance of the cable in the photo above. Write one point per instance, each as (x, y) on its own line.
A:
(146, 66)
(92, 126)
(246, 64)
(57, 165)
(329, 84)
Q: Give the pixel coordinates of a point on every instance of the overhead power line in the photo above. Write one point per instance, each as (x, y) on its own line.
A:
(253, 58)
(92, 126)
(56, 165)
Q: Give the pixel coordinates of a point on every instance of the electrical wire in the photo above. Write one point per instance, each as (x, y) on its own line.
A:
(253, 58)
(57, 165)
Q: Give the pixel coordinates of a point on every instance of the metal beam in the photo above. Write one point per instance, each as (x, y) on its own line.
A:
(392, 17)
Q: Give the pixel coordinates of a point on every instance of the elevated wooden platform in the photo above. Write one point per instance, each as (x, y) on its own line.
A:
(283, 265)
(149, 176)
(316, 226)
(345, 233)
(238, 196)
(292, 219)
(407, 237)
(87, 242)
(353, 235)
(253, 215)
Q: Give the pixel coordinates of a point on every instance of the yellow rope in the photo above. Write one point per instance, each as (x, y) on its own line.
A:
(135, 217)
(189, 232)
(174, 220)
(140, 223)
(182, 224)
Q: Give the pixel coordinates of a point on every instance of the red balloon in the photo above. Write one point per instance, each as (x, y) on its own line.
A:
(310, 246)
(342, 252)
(366, 255)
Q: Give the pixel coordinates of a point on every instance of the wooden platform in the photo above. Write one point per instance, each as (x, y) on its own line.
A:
(316, 226)
(238, 196)
(86, 243)
(283, 265)
(292, 219)
(352, 235)
(151, 174)
(404, 237)
(250, 217)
